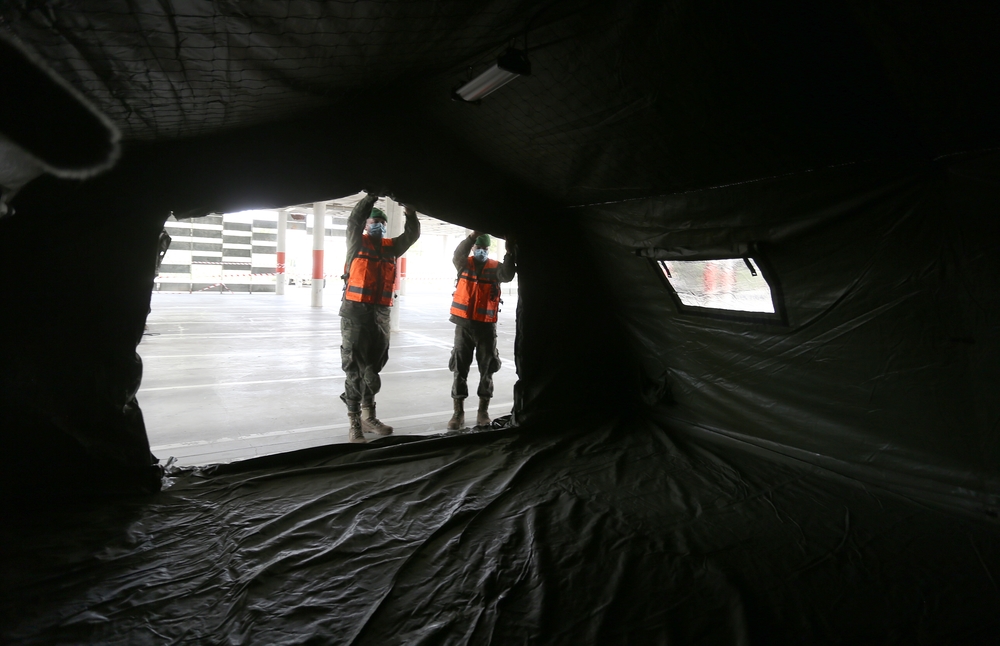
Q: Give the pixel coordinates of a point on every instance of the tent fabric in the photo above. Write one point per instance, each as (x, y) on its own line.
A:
(625, 99)
(52, 122)
(611, 534)
(888, 363)
(669, 478)
(70, 370)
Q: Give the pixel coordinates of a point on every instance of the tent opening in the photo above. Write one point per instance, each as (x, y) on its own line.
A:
(235, 368)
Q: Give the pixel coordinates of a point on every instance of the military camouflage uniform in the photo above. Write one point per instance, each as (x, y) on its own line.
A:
(476, 338)
(364, 327)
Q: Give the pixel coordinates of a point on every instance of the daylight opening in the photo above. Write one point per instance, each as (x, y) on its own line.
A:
(730, 284)
(242, 351)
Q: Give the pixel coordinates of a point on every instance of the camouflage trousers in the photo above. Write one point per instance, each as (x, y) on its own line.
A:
(364, 351)
(479, 341)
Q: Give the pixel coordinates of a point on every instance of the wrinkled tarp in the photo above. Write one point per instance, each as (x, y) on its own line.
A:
(622, 533)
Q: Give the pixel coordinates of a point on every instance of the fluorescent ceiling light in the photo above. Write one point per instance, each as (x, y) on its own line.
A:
(513, 63)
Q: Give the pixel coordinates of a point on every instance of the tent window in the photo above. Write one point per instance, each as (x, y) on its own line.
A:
(727, 284)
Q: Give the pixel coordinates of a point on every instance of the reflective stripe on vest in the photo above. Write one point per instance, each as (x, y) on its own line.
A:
(371, 276)
(477, 296)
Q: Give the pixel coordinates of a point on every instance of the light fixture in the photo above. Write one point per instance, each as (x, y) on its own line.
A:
(510, 65)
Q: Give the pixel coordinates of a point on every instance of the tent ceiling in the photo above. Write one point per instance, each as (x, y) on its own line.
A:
(625, 99)
(172, 69)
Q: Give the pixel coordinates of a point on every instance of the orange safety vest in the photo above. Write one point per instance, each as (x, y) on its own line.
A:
(477, 296)
(371, 277)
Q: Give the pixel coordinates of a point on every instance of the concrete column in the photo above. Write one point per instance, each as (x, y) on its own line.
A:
(279, 284)
(319, 237)
(401, 265)
(394, 224)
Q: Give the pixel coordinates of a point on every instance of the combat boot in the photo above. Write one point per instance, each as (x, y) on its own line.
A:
(457, 420)
(483, 415)
(354, 432)
(372, 424)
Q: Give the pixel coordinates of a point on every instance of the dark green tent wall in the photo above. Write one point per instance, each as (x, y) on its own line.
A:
(886, 367)
(670, 477)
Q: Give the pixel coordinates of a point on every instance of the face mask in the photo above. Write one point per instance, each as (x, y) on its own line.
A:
(376, 229)
(480, 255)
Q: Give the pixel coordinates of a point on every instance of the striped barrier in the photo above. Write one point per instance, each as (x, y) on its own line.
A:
(205, 289)
(227, 262)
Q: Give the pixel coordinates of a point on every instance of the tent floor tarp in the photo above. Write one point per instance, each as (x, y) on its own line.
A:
(624, 533)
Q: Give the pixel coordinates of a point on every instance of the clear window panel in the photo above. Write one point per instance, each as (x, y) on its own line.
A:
(726, 284)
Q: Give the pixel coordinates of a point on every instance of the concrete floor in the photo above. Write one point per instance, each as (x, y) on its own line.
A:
(234, 376)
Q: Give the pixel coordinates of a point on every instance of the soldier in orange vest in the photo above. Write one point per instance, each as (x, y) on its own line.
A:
(369, 277)
(474, 310)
